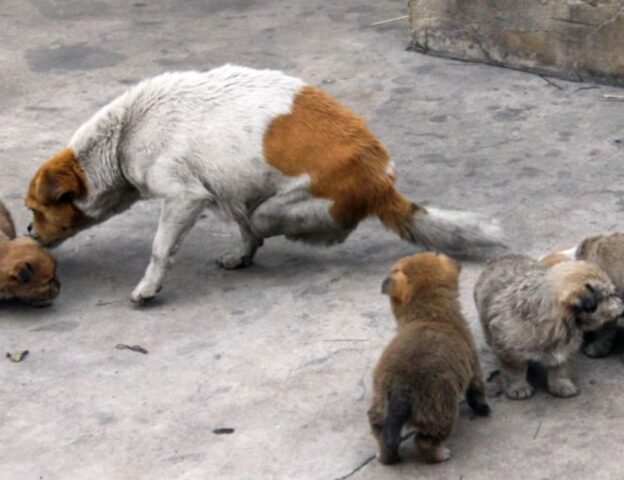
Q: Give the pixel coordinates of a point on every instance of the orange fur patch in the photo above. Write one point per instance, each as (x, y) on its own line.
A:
(60, 175)
(54, 186)
(345, 161)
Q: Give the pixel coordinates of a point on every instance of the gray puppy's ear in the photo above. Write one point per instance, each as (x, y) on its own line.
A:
(588, 303)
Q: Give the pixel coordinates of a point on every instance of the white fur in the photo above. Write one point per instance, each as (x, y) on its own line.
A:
(570, 253)
(452, 231)
(196, 141)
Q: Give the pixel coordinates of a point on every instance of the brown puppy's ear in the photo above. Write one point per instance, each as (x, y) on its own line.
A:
(23, 272)
(65, 182)
(397, 287)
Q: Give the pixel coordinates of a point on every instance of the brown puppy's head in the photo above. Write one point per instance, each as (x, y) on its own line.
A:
(586, 292)
(51, 194)
(28, 272)
(420, 275)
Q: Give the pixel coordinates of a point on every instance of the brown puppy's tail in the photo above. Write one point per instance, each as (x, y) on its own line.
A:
(6, 222)
(399, 411)
(454, 232)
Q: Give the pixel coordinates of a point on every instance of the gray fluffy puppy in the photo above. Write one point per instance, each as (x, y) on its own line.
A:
(533, 312)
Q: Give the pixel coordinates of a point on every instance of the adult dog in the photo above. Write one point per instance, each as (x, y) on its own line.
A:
(277, 156)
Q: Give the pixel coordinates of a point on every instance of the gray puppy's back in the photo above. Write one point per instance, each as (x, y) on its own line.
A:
(514, 272)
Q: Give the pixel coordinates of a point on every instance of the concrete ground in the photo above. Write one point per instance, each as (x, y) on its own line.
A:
(282, 353)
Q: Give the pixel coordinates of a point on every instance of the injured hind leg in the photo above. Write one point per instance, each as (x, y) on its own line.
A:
(298, 216)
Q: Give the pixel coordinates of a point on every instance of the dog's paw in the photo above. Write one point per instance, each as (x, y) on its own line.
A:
(445, 454)
(519, 390)
(598, 348)
(439, 455)
(482, 409)
(143, 293)
(388, 459)
(233, 261)
(563, 388)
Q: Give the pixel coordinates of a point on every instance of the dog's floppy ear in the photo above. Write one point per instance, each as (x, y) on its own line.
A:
(587, 303)
(60, 183)
(397, 287)
(60, 178)
(23, 272)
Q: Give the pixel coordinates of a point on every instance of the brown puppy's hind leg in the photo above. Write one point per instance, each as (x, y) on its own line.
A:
(431, 449)
(387, 430)
(476, 398)
(376, 420)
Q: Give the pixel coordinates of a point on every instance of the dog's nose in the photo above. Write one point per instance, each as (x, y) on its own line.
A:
(30, 227)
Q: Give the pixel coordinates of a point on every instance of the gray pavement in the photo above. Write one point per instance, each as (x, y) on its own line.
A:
(283, 352)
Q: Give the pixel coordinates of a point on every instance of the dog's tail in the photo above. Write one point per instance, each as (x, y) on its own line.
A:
(398, 413)
(455, 232)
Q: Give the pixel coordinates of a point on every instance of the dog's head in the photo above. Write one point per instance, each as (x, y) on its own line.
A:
(586, 292)
(53, 189)
(28, 272)
(420, 275)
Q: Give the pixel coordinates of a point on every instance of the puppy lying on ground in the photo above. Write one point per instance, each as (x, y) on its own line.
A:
(532, 312)
(430, 365)
(27, 271)
(606, 251)
(274, 154)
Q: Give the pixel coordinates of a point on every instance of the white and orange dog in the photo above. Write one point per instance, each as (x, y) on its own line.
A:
(274, 154)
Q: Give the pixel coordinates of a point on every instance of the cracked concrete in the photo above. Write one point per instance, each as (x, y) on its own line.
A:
(282, 353)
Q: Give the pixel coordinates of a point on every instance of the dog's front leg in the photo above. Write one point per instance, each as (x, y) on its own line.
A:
(176, 219)
(559, 383)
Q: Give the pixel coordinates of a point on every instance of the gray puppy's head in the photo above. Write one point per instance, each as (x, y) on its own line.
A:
(585, 292)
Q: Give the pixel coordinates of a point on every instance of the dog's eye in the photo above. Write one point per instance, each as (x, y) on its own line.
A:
(65, 198)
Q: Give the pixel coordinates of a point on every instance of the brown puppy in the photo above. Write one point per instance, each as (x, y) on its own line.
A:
(532, 312)
(27, 270)
(606, 251)
(430, 365)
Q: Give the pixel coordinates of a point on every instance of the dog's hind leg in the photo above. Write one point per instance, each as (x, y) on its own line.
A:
(476, 397)
(298, 216)
(176, 218)
(242, 257)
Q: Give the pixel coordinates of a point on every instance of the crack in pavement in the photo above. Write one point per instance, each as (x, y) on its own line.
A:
(370, 459)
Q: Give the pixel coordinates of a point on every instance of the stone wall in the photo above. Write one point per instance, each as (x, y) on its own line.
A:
(573, 39)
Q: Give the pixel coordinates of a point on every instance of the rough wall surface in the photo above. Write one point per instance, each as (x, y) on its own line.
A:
(574, 39)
